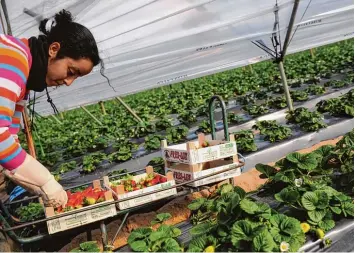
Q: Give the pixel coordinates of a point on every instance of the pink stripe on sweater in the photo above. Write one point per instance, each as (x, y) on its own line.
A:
(16, 161)
(10, 75)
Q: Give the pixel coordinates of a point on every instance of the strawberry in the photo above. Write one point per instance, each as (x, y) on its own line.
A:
(133, 183)
(90, 198)
(155, 181)
(136, 189)
(163, 179)
(69, 194)
(205, 144)
(101, 197)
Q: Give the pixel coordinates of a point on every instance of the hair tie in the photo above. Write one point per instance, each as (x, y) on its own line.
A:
(50, 23)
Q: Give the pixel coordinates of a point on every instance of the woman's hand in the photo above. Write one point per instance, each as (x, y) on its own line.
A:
(36, 178)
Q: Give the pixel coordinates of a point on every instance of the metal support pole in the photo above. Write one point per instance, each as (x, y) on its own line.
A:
(92, 116)
(103, 234)
(290, 28)
(224, 117)
(312, 53)
(284, 82)
(102, 107)
(129, 109)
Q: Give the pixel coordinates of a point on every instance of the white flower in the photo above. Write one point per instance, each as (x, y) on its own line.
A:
(284, 246)
(298, 182)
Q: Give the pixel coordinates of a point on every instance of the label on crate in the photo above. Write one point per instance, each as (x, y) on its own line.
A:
(176, 156)
(182, 176)
(209, 154)
(79, 219)
(227, 149)
(217, 178)
(148, 198)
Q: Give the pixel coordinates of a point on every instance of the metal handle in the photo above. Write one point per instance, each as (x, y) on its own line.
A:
(224, 117)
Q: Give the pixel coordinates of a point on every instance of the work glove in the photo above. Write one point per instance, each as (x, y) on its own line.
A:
(36, 178)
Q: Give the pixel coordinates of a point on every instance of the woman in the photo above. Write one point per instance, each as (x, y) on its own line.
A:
(66, 51)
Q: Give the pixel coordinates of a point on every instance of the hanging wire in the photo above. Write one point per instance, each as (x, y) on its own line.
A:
(50, 101)
(276, 37)
(102, 69)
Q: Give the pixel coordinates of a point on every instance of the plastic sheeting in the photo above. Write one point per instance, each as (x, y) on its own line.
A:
(151, 43)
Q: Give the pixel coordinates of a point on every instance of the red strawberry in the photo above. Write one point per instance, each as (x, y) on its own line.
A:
(133, 183)
(136, 189)
(163, 179)
(69, 194)
(101, 197)
(90, 198)
(155, 181)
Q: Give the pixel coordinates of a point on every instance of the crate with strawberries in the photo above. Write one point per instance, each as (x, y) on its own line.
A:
(89, 201)
(136, 185)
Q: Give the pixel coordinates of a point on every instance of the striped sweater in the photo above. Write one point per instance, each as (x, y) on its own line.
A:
(15, 64)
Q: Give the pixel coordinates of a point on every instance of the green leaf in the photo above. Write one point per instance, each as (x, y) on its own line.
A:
(309, 201)
(139, 233)
(171, 245)
(326, 225)
(240, 191)
(175, 232)
(267, 170)
(306, 162)
(226, 188)
(197, 244)
(297, 241)
(316, 215)
(90, 246)
(335, 209)
(161, 218)
(242, 230)
(349, 208)
(248, 206)
(157, 235)
(324, 150)
(196, 204)
(201, 228)
(290, 226)
(139, 246)
(323, 200)
(286, 176)
(263, 242)
(287, 195)
(76, 250)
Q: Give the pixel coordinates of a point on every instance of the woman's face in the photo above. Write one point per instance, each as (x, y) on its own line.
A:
(66, 70)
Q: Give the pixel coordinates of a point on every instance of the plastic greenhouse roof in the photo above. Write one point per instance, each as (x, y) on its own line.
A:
(151, 43)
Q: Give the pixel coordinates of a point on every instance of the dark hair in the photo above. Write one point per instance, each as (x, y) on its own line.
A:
(76, 41)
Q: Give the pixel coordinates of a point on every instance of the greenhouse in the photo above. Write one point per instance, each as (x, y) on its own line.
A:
(205, 126)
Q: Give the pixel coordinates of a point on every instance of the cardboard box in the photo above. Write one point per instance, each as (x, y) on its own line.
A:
(119, 194)
(183, 173)
(193, 152)
(84, 217)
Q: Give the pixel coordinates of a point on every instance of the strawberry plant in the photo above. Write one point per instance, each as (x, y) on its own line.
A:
(233, 118)
(246, 99)
(187, 118)
(234, 222)
(153, 142)
(245, 141)
(335, 84)
(130, 184)
(315, 89)
(308, 121)
(163, 123)
(273, 132)
(299, 95)
(256, 110)
(90, 246)
(91, 162)
(339, 107)
(65, 167)
(164, 239)
(176, 134)
(124, 153)
(142, 129)
(204, 127)
(276, 88)
(277, 103)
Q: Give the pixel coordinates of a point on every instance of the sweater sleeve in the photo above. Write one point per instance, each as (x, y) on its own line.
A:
(14, 69)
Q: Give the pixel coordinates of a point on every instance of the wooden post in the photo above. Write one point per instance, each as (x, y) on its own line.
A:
(61, 115)
(30, 144)
(312, 53)
(92, 116)
(129, 109)
(251, 68)
(102, 107)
